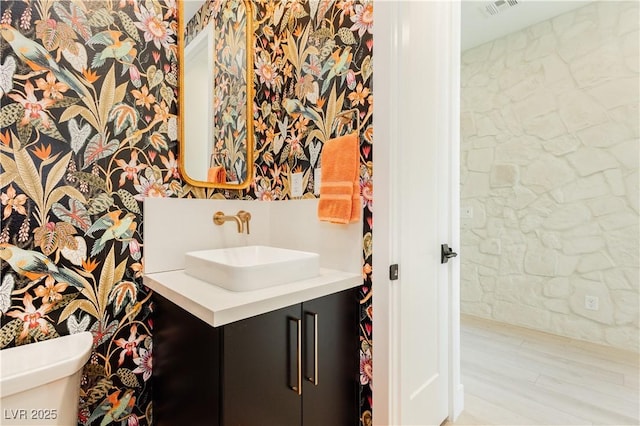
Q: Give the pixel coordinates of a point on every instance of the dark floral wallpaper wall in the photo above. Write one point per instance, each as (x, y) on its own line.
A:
(88, 130)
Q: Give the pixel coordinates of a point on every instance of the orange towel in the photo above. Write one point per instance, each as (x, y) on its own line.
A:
(217, 174)
(340, 186)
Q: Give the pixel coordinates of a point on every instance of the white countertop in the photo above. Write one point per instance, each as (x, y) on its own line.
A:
(217, 306)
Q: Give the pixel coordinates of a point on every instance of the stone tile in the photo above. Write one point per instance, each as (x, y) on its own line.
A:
(633, 191)
(504, 175)
(541, 103)
(628, 21)
(485, 126)
(520, 151)
(561, 145)
(491, 246)
(631, 50)
(540, 261)
(627, 305)
(557, 305)
(528, 85)
(595, 262)
(583, 245)
(604, 64)
(623, 247)
(476, 185)
(467, 125)
(558, 287)
(546, 127)
(615, 93)
(556, 71)
(567, 216)
(606, 205)
(586, 188)
(480, 160)
(604, 135)
(522, 197)
(588, 160)
(544, 46)
(616, 181)
(547, 172)
(627, 153)
(579, 111)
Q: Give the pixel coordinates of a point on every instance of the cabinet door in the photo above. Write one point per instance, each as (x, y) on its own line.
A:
(330, 367)
(186, 356)
(261, 363)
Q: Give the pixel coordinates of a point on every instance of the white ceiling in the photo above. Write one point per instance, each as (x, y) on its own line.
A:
(479, 28)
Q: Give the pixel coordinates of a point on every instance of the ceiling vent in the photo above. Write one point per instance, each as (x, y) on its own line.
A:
(498, 6)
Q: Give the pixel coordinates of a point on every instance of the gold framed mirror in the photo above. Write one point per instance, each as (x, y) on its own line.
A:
(216, 96)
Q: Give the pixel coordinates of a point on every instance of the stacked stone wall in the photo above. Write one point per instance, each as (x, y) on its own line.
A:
(550, 137)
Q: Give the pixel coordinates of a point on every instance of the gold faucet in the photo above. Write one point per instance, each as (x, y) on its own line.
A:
(241, 218)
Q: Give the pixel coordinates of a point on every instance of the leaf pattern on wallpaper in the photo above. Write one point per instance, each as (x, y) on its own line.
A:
(75, 140)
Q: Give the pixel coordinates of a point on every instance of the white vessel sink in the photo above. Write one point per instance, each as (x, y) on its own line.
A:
(251, 267)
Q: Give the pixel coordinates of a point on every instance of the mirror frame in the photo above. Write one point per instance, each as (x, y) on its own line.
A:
(249, 108)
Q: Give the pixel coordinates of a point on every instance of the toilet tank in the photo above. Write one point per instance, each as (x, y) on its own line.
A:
(40, 382)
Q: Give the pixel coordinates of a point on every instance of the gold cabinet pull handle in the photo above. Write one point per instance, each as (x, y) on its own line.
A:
(314, 379)
(298, 386)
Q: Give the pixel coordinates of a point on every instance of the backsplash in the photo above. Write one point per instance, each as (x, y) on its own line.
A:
(81, 146)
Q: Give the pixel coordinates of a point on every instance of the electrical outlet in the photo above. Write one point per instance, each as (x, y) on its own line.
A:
(466, 212)
(591, 303)
(296, 185)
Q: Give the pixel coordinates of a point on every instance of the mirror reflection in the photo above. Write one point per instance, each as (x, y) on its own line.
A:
(217, 132)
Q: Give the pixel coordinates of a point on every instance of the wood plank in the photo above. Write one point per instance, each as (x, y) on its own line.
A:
(513, 375)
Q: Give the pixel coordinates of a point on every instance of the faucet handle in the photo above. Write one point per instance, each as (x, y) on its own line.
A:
(245, 217)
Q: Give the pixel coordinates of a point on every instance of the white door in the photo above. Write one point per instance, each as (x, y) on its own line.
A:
(415, 204)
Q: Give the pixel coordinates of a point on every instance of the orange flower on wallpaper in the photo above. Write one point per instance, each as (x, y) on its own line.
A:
(31, 316)
(51, 88)
(13, 202)
(131, 169)
(5, 138)
(50, 291)
(143, 97)
(359, 96)
(42, 152)
(90, 76)
(90, 264)
(34, 108)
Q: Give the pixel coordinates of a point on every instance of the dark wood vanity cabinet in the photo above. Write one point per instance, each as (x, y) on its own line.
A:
(294, 366)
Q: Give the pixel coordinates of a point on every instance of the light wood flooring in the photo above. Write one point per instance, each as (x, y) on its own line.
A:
(516, 376)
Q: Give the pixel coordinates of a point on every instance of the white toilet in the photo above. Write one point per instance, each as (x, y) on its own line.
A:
(40, 382)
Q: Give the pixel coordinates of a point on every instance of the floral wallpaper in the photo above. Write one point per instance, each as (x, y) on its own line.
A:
(312, 60)
(88, 130)
(88, 93)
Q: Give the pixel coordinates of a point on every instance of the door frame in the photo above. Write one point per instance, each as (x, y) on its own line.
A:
(392, 43)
